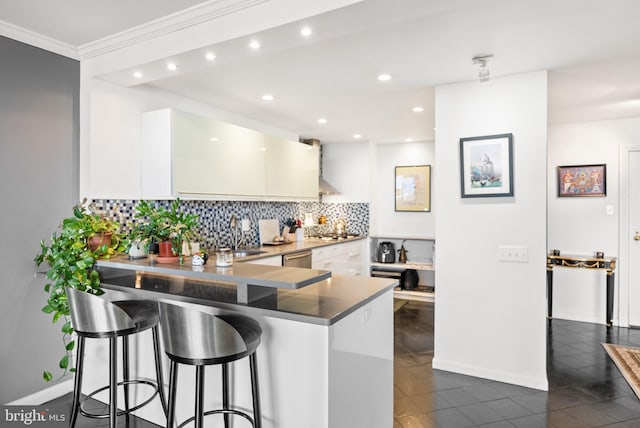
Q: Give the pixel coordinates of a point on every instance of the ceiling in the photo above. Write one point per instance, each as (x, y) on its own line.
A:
(590, 48)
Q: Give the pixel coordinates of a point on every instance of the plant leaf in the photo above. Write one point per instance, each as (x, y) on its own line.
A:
(64, 362)
(47, 376)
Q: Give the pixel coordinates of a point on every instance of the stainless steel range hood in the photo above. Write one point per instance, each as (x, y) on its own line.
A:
(324, 188)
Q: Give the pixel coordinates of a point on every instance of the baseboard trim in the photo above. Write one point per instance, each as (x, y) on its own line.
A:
(500, 376)
(45, 395)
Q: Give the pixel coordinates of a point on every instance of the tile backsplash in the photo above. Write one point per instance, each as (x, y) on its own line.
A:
(215, 216)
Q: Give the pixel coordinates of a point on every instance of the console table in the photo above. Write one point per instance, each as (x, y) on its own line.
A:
(573, 261)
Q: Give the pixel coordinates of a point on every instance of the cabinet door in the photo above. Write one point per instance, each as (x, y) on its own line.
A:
(216, 158)
(292, 169)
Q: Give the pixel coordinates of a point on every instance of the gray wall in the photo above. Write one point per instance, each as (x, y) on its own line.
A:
(39, 117)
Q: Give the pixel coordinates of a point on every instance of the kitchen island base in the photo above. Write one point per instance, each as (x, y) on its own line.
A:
(311, 375)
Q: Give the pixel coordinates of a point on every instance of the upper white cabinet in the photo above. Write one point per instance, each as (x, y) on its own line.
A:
(205, 158)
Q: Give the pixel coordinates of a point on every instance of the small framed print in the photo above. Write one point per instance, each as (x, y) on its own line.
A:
(413, 188)
(582, 180)
(486, 166)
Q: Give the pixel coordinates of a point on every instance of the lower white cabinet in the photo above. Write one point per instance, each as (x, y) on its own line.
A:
(346, 258)
(271, 261)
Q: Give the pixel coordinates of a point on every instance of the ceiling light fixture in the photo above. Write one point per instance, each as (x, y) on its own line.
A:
(483, 69)
(172, 66)
(214, 139)
(357, 136)
(409, 140)
(322, 121)
(418, 109)
(267, 97)
(138, 75)
(384, 77)
(305, 32)
(210, 56)
(254, 44)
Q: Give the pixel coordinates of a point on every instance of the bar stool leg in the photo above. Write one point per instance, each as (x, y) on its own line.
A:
(159, 376)
(75, 408)
(255, 392)
(125, 373)
(225, 392)
(173, 386)
(199, 410)
(113, 381)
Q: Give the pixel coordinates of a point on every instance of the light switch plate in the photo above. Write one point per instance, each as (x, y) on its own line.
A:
(513, 253)
(609, 209)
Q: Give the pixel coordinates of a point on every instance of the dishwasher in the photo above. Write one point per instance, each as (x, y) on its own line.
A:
(299, 259)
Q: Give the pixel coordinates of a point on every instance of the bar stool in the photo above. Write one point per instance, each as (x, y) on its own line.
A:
(95, 317)
(200, 339)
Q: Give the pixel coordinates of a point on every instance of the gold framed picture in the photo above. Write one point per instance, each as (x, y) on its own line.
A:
(413, 188)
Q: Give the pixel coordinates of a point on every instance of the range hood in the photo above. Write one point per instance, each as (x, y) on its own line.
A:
(324, 188)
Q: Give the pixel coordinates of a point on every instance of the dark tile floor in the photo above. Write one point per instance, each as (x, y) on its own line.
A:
(585, 387)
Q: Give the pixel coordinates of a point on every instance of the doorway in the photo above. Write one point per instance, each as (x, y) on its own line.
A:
(630, 233)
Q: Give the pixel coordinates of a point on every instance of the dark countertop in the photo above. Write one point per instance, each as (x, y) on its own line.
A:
(292, 247)
(324, 302)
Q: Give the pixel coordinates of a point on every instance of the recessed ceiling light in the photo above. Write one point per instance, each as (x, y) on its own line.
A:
(408, 140)
(210, 56)
(322, 121)
(172, 66)
(254, 44)
(263, 149)
(305, 31)
(356, 136)
(418, 109)
(214, 139)
(267, 97)
(137, 75)
(384, 77)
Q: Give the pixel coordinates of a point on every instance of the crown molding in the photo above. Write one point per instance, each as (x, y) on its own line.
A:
(38, 40)
(168, 24)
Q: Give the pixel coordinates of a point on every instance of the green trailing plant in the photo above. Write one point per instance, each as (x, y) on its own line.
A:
(71, 264)
(162, 224)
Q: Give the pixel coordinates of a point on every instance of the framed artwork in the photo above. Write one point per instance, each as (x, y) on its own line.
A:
(413, 188)
(582, 180)
(486, 166)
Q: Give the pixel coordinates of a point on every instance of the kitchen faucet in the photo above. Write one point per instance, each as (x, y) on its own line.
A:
(233, 224)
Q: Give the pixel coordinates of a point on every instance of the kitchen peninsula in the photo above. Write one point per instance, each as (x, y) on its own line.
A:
(326, 357)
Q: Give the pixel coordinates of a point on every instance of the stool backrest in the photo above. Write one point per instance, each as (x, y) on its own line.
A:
(195, 335)
(94, 315)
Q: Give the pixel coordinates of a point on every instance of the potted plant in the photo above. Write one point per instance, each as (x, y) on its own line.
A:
(71, 259)
(169, 227)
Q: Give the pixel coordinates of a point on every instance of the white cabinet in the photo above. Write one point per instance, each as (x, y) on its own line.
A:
(270, 261)
(197, 157)
(345, 258)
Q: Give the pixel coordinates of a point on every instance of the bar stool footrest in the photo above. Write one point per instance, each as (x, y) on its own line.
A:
(120, 412)
(221, 412)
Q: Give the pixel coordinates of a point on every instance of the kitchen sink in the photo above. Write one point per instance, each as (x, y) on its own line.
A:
(247, 252)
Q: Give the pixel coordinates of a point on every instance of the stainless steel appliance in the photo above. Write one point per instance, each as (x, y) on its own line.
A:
(386, 252)
(300, 259)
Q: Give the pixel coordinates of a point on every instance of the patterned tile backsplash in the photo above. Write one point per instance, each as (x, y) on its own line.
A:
(215, 216)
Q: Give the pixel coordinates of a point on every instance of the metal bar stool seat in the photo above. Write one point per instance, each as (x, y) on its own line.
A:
(199, 339)
(97, 318)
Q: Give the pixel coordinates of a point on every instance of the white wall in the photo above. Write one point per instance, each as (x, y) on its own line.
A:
(346, 167)
(490, 315)
(581, 225)
(385, 220)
